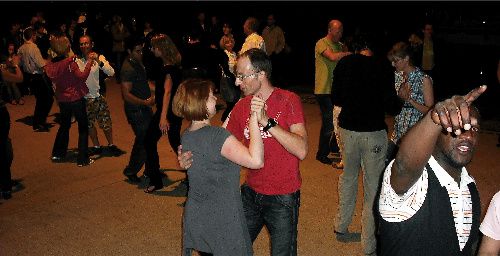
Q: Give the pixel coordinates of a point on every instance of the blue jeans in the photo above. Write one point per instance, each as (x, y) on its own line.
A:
(280, 214)
(78, 109)
(327, 142)
(139, 118)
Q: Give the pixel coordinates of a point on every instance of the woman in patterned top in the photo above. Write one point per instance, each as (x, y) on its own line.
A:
(414, 87)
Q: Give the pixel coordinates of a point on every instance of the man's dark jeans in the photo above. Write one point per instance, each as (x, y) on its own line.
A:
(78, 109)
(139, 118)
(327, 141)
(280, 214)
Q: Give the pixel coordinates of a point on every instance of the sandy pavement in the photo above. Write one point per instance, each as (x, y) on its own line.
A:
(66, 210)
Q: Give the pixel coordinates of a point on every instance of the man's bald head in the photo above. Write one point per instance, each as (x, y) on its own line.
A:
(334, 24)
(335, 30)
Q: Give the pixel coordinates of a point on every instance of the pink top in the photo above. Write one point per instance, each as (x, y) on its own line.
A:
(491, 224)
(68, 80)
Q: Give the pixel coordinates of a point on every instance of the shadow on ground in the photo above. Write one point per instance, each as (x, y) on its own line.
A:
(171, 188)
(72, 154)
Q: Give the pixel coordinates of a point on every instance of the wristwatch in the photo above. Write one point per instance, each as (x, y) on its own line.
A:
(271, 122)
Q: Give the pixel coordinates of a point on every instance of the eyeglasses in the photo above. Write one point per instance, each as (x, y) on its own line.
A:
(241, 76)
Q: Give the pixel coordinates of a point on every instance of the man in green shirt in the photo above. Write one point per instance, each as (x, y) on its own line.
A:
(328, 51)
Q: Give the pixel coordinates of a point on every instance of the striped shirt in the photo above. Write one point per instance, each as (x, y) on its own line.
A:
(398, 208)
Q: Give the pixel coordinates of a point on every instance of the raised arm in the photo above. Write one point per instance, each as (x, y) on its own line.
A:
(417, 145)
(334, 56)
(105, 66)
(294, 141)
(83, 75)
(251, 157)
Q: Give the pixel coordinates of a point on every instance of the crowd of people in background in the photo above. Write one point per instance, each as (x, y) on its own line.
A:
(163, 81)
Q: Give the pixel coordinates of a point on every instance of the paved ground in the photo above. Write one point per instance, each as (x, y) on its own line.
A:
(66, 210)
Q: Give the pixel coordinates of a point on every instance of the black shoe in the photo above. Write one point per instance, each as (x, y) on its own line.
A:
(95, 150)
(6, 194)
(347, 237)
(88, 162)
(115, 151)
(132, 178)
(152, 188)
(15, 183)
(57, 159)
(325, 160)
(40, 128)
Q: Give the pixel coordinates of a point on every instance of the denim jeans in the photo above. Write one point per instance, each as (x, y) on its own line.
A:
(327, 142)
(139, 118)
(67, 109)
(365, 150)
(280, 214)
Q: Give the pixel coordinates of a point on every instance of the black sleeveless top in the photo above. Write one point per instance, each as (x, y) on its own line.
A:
(431, 231)
(176, 75)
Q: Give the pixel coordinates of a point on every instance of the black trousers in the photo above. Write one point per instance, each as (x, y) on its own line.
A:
(6, 153)
(78, 109)
(44, 97)
(153, 135)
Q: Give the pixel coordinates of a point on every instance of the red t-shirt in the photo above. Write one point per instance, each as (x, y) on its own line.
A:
(280, 174)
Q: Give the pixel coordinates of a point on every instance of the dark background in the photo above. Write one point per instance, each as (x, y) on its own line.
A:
(471, 47)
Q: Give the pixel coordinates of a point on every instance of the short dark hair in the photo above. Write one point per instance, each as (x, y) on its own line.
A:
(259, 60)
(190, 100)
(38, 25)
(28, 33)
(133, 41)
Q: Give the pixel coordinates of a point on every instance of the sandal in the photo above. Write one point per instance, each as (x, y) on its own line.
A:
(152, 188)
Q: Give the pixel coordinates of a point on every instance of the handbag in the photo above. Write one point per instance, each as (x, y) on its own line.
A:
(228, 89)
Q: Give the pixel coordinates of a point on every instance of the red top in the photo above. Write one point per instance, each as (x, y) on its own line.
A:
(280, 174)
(68, 80)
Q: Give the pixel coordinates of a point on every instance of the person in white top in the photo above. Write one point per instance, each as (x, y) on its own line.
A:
(429, 168)
(253, 39)
(490, 227)
(97, 107)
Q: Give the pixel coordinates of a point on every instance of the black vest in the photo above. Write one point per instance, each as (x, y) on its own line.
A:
(431, 231)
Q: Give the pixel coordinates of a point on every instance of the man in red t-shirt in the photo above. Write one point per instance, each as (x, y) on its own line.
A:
(271, 195)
